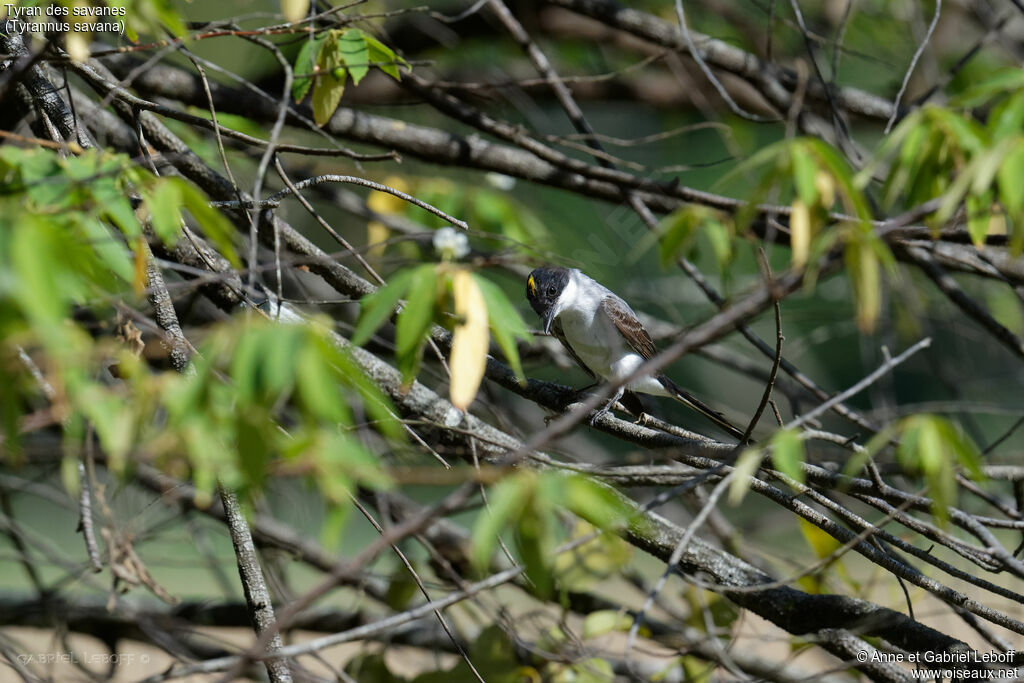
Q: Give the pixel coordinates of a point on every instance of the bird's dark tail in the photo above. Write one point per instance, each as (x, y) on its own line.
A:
(704, 409)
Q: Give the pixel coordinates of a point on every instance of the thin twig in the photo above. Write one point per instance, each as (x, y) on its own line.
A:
(767, 395)
(861, 385)
(913, 63)
(274, 200)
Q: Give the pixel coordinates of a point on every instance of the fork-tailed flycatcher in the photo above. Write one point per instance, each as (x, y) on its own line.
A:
(604, 336)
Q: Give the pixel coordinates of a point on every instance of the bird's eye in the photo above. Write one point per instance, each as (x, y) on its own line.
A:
(551, 290)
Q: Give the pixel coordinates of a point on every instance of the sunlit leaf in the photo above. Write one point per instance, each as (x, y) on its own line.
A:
(799, 232)
(591, 501)
(746, 465)
(469, 339)
(603, 622)
(804, 172)
(164, 204)
(506, 324)
(863, 265)
(329, 84)
(383, 57)
(788, 454)
(294, 10)
(820, 541)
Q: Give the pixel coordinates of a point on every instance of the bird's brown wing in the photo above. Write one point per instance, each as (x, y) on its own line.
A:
(639, 339)
(556, 330)
(629, 326)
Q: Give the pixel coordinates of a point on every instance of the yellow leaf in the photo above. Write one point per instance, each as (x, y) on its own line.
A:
(826, 188)
(294, 10)
(383, 202)
(469, 340)
(800, 232)
(821, 542)
(746, 466)
(376, 235)
(865, 271)
(141, 278)
(77, 44)
(329, 85)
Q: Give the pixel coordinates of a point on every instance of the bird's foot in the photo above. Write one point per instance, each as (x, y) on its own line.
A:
(642, 419)
(604, 411)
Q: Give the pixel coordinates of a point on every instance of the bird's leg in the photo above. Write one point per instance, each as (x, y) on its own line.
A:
(607, 406)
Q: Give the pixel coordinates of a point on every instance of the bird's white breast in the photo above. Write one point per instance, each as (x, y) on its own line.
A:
(595, 338)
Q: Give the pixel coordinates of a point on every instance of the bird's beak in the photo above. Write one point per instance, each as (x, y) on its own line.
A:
(548, 319)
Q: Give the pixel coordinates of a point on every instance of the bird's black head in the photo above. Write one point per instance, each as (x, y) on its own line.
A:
(543, 288)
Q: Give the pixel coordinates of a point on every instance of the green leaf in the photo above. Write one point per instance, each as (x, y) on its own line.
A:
(746, 465)
(355, 53)
(804, 170)
(383, 57)
(534, 542)
(113, 420)
(964, 450)
(788, 454)
(506, 500)
(317, 387)
(214, 224)
(506, 324)
(305, 67)
(414, 321)
(678, 233)
(330, 83)
(246, 366)
(1008, 119)
(112, 252)
(401, 589)
(979, 215)
(1005, 308)
(1001, 81)
(333, 525)
(603, 622)
(376, 403)
(720, 237)
(593, 502)
(1010, 177)
(840, 171)
(931, 445)
(377, 307)
(35, 255)
(164, 204)
(864, 269)
(118, 210)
